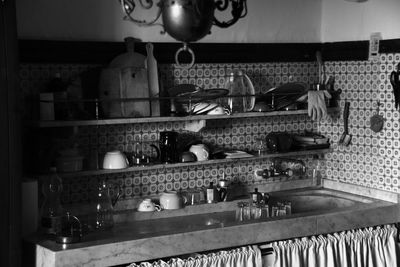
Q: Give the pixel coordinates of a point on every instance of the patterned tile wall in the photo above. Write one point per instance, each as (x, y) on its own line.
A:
(235, 133)
(372, 159)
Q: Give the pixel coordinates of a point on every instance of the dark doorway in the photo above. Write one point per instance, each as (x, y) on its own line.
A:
(10, 150)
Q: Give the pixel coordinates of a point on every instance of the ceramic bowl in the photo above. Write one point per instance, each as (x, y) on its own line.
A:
(115, 160)
(187, 156)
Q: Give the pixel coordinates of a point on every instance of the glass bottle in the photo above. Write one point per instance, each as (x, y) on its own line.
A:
(210, 192)
(51, 210)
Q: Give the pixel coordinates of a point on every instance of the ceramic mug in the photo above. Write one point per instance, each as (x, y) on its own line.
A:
(148, 205)
(171, 200)
(115, 160)
(200, 151)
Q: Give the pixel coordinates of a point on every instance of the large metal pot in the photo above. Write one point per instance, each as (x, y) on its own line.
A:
(188, 20)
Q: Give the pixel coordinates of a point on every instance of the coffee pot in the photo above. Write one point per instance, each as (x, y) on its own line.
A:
(106, 198)
(70, 230)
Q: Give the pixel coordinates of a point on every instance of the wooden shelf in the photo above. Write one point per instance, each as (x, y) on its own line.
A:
(50, 124)
(197, 163)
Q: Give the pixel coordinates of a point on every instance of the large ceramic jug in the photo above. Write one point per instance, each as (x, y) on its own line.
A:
(242, 91)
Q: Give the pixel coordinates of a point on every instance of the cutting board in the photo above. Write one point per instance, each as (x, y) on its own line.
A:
(125, 77)
(152, 71)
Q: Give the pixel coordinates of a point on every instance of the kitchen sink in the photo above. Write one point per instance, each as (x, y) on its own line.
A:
(308, 200)
(223, 214)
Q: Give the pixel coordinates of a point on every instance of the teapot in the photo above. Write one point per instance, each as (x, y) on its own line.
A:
(238, 84)
(104, 205)
(140, 155)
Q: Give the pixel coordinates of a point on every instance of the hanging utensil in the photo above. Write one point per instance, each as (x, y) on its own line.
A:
(321, 68)
(346, 137)
(152, 75)
(395, 81)
(376, 121)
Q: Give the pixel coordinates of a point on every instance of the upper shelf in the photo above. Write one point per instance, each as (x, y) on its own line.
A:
(58, 123)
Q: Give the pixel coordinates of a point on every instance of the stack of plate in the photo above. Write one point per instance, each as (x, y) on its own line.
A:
(203, 108)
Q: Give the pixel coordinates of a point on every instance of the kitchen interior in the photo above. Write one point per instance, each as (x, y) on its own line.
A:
(239, 141)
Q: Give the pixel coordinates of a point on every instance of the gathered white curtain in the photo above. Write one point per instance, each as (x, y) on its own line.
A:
(370, 247)
(244, 257)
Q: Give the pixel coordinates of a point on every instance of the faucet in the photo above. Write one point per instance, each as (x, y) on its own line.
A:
(273, 171)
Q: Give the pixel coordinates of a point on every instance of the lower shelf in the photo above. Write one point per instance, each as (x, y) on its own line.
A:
(197, 163)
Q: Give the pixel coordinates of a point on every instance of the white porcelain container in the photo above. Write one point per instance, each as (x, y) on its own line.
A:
(147, 205)
(200, 151)
(171, 200)
(115, 160)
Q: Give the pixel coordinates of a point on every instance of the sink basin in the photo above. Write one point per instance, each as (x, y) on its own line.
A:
(317, 199)
(223, 214)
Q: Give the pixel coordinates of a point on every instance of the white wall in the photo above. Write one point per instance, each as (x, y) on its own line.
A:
(268, 21)
(349, 21)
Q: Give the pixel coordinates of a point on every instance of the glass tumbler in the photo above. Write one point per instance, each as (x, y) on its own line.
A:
(261, 146)
(246, 211)
(239, 211)
(265, 211)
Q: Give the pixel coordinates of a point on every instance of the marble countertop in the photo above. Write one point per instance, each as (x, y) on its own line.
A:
(141, 240)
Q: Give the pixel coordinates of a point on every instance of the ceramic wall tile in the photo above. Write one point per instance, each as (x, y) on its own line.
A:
(371, 160)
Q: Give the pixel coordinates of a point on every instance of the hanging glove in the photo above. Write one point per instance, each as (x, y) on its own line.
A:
(316, 104)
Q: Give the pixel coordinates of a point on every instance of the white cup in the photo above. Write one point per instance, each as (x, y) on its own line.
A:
(148, 205)
(171, 200)
(200, 151)
(115, 160)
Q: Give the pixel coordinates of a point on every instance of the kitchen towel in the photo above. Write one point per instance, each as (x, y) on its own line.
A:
(249, 256)
(356, 248)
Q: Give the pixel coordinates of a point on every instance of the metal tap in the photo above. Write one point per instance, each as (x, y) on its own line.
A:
(273, 171)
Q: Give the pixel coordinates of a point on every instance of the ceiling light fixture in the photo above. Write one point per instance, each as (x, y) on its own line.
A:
(186, 20)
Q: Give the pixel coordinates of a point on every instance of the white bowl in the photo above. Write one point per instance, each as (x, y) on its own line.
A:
(115, 160)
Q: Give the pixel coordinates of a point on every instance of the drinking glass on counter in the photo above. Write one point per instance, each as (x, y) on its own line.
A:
(255, 212)
(264, 211)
